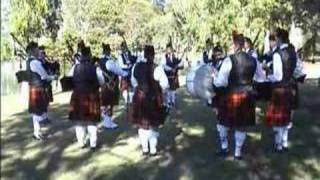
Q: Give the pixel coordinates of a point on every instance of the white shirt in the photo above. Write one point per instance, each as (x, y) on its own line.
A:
(37, 67)
(99, 74)
(277, 67)
(114, 67)
(164, 65)
(121, 63)
(158, 75)
(222, 79)
(260, 75)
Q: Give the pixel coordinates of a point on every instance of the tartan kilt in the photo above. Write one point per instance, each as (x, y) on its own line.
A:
(263, 91)
(236, 109)
(173, 82)
(145, 112)
(38, 100)
(124, 83)
(109, 98)
(279, 107)
(85, 107)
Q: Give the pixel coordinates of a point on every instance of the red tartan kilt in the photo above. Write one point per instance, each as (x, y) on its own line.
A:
(109, 97)
(279, 107)
(145, 112)
(124, 83)
(85, 107)
(236, 109)
(38, 100)
(174, 82)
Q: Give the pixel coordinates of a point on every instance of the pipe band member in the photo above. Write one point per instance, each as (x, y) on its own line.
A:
(38, 96)
(149, 81)
(236, 107)
(84, 108)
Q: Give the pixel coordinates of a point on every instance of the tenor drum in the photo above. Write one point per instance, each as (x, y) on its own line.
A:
(66, 83)
(199, 82)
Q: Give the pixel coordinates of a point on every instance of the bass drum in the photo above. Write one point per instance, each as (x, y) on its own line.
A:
(199, 82)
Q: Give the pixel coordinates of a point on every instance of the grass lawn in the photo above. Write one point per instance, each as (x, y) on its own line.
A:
(187, 146)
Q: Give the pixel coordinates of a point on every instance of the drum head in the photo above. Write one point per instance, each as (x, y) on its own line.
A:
(200, 82)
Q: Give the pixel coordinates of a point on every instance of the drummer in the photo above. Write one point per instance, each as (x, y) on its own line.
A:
(218, 56)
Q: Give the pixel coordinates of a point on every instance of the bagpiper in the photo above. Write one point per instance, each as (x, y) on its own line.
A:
(286, 68)
(126, 61)
(84, 108)
(236, 108)
(38, 96)
(149, 81)
(171, 65)
(110, 92)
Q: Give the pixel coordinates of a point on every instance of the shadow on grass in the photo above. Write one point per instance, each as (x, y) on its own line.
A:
(187, 147)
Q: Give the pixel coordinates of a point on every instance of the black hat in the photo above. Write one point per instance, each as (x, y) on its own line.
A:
(106, 47)
(238, 39)
(31, 46)
(217, 48)
(148, 51)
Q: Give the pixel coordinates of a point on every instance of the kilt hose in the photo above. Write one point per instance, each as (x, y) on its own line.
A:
(85, 107)
(279, 107)
(38, 100)
(145, 111)
(109, 98)
(236, 109)
(173, 82)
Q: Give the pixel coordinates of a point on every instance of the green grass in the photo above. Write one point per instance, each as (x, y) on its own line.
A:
(187, 146)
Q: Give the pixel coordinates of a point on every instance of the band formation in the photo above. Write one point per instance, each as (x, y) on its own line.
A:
(149, 90)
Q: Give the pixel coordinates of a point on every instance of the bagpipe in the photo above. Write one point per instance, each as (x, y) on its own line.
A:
(66, 81)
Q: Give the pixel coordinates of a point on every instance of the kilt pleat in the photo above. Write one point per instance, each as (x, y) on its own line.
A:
(84, 106)
(38, 100)
(279, 107)
(173, 82)
(145, 111)
(236, 109)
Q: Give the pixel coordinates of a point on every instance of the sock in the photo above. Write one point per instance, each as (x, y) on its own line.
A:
(80, 134)
(106, 120)
(144, 136)
(153, 141)
(285, 137)
(36, 125)
(167, 95)
(125, 96)
(223, 135)
(130, 96)
(92, 131)
(240, 137)
(278, 137)
(173, 97)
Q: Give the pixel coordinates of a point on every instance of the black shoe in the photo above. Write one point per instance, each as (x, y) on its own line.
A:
(238, 158)
(285, 149)
(223, 153)
(154, 154)
(39, 138)
(45, 121)
(84, 146)
(145, 153)
(98, 146)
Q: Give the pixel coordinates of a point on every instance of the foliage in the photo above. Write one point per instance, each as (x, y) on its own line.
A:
(187, 23)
